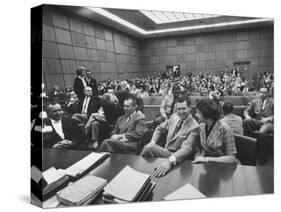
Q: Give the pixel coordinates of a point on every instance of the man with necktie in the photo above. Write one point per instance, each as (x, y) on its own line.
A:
(88, 105)
(182, 133)
(128, 130)
(259, 114)
(91, 82)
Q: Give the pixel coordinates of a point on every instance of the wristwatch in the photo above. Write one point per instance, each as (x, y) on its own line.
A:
(173, 160)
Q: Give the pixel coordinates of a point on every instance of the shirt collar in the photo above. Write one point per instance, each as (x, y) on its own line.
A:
(55, 122)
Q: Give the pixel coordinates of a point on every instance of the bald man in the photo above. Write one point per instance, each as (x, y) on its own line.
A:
(65, 132)
(259, 114)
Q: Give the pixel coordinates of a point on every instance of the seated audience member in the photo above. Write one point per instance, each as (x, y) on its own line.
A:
(167, 107)
(128, 130)
(80, 83)
(65, 132)
(181, 138)
(217, 142)
(56, 92)
(143, 93)
(90, 104)
(107, 115)
(235, 122)
(72, 104)
(259, 114)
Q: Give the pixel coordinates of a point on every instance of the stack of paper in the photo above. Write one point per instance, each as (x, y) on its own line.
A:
(187, 191)
(128, 186)
(54, 178)
(90, 161)
(82, 191)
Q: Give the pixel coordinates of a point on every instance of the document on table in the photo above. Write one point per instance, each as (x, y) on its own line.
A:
(187, 191)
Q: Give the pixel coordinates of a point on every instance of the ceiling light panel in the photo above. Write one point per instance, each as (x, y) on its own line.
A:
(160, 17)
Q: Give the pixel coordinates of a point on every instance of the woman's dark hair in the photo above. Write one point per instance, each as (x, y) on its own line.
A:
(209, 109)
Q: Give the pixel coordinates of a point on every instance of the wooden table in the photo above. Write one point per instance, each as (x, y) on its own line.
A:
(213, 180)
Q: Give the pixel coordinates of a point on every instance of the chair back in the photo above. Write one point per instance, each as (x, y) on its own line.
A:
(246, 149)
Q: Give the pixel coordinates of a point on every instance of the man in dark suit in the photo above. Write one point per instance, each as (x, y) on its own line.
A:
(259, 114)
(80, 82)
(91, 82)
(65, 132)
(72, 104)
(128, 131)
(88, 105)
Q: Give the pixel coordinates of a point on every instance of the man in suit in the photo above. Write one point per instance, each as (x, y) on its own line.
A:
(181, 139)
(88, 105)
(128, 131)
(259, 114)
(72, 104)
(80, 82)
(65, 132)
(91, 82)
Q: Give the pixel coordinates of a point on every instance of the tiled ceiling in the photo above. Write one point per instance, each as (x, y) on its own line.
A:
(161, 17)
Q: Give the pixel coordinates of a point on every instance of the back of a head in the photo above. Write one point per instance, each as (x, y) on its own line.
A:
(227, 108)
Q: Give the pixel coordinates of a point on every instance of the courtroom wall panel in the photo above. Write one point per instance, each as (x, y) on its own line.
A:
(211, 52)
(70, 41)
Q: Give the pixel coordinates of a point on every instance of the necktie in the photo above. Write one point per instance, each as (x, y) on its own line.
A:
(172, 107)
(85, 105)
(178, 127)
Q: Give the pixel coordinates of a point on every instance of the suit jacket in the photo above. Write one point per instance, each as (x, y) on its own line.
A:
(93, 107)
(133, 129)
(78, 87)
(70, 129)
(235, 122)
(182, 143)
(255, 108)
(93, 84)
(219, 142)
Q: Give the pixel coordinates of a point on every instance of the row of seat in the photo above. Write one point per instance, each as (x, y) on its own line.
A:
(235, 100)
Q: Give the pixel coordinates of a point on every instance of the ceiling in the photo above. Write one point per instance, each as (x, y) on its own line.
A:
(146, 23)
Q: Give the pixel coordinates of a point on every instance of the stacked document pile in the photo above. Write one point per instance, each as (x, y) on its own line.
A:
(54, 178)
(128, 186)
(187, 191)
(90, 161)
(82, 192)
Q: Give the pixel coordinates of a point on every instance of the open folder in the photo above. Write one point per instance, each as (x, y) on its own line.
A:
(128, 185)
(187, 191)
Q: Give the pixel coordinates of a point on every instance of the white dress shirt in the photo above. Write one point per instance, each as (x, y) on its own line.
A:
(85, 105)
(58, 127)
(83, 81)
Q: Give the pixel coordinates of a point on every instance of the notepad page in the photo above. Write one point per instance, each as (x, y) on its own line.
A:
(52, 175)
(187, 191)
(127, 184)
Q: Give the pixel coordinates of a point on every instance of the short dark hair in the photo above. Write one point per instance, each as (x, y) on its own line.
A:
(209, 109)
(132, 97)
(227, 108)
(176, 87)
(184, 98)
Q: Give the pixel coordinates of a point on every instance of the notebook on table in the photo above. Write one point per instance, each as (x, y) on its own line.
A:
(81, 192)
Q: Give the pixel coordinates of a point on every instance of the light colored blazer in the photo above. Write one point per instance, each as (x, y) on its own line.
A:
(183, 143)
(219, 142)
